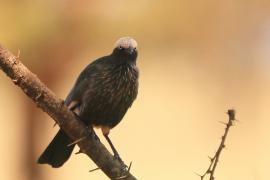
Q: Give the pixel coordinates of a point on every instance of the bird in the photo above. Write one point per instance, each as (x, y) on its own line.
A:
(100, 97)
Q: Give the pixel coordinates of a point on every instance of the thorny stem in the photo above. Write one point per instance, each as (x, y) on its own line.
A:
(214, 160)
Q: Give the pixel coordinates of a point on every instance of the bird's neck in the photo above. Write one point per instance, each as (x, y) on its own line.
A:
(124, 61)
(121, 58)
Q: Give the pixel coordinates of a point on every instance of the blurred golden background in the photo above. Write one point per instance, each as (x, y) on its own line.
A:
(196, 59)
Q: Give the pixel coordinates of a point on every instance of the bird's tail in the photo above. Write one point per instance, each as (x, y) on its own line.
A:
(58, 151)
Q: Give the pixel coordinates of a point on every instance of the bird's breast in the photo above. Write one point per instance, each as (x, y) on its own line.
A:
(111, 94)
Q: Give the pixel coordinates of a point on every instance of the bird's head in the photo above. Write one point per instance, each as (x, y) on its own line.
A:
(126, 47)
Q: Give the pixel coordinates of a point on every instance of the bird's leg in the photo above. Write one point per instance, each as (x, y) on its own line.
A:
(106, 131)
(115, 153)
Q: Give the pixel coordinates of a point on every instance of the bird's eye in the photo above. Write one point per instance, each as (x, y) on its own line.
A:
(120, 47)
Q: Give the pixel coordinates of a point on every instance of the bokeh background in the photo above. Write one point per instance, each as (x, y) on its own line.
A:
(197, 58)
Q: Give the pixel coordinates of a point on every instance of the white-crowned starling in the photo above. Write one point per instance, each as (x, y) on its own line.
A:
(101, 96)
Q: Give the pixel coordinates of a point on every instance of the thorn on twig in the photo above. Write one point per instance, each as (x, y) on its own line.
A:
(210, 158)
(15, 81)
(54, 124)
(79, 152)
(94, 169)
(76, 141)
(198, 174)
(38, 96)
(17, 57)
(18, 54)
(129, 167)
(222, 122)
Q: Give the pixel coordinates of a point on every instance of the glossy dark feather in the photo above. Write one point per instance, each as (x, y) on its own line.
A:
(58, 150)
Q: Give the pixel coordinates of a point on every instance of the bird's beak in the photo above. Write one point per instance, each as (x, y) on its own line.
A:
(130, 50)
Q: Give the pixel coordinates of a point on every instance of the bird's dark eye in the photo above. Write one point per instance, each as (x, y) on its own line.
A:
(120, 47)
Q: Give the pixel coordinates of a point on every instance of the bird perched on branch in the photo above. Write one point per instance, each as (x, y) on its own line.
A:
(101, 96)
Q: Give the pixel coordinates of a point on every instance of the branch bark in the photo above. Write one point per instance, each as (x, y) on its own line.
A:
(54, 107)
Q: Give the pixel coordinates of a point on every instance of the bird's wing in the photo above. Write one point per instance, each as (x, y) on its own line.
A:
(76, 92)
(83, 82)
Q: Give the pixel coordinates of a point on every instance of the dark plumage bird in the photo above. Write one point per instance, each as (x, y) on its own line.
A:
(101, 96)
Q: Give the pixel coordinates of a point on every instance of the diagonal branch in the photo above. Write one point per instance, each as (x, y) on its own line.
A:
(54, 107)
(214, 160)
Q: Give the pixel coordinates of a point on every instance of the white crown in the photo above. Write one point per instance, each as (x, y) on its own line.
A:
(126, 42)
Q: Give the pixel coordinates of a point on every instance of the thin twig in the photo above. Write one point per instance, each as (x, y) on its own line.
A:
(214, 160)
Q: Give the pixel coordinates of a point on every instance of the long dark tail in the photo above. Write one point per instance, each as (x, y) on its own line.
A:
(58, 151)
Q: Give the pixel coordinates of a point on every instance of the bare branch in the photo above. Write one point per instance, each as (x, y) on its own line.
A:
(214, 160)
(54, 107)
